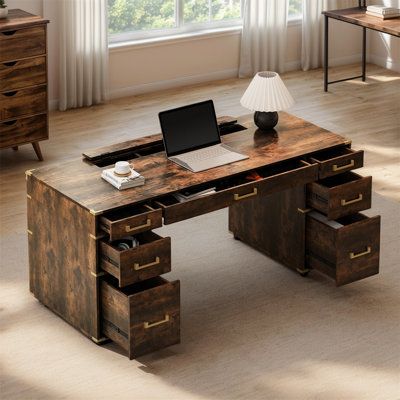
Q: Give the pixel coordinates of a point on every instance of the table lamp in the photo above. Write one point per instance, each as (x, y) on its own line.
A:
(266, 95)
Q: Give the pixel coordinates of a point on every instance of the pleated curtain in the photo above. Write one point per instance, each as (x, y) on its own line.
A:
(83, 53)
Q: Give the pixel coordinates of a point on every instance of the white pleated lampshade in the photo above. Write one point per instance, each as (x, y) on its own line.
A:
(266, 92)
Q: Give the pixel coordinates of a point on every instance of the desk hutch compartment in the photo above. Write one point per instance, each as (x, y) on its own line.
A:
(238, 188)
(130, 221)
(340, 195)
(335, 161)
(142, 317)
(347, 249)
(152, 257)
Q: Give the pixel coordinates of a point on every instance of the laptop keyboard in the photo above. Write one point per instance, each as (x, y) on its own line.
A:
(205, 154)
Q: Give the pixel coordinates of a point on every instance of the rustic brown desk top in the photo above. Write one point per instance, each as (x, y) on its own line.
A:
(81, 181)
(18, 19)
(359, 17)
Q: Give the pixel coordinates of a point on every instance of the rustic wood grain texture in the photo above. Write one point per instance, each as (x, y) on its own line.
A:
(359, 17)
(152, 248)
(61, 257)
(341, 195)
(23, 102)
(82, 183)
(18, 19)
(273, 225)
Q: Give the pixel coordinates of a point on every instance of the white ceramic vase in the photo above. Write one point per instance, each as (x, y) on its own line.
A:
(3, 12)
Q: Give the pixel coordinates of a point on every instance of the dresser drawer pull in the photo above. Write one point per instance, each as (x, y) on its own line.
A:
(237, 196)
(137, 266)
(135, 228)
(347, 202)
(10, 94)
(363, 253)
(10, 63)
(335, 167)
(148, 325)
(8, 33)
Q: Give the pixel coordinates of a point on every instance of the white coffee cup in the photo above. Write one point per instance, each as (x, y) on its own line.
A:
(122, 168)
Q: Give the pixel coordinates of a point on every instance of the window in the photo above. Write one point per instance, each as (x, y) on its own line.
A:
(139, 19)
(295, 9)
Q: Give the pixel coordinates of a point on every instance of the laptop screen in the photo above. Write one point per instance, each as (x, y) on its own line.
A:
(189, 128)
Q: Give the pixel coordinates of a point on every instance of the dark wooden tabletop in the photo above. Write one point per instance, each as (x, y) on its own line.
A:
(18, 19)
(81, 181)
(359, 17)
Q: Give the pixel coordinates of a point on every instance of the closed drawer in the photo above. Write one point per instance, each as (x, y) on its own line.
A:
(142, 317)
(130, 221)
(235, 189)
(23, 130)
(152, 257)
(22, 43)
(347, 249)
(23, 102)
(336, 161)
(340, 195)
(20, 74)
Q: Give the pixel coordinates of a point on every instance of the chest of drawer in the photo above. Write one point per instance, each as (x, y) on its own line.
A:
(23, 130)
(143, 317)
(23, 102)
(150, 258)
(22, 43)
(130, 221)
(15, 75)
(347, 249)
(239, 188)
(340, 195)
(336, 161)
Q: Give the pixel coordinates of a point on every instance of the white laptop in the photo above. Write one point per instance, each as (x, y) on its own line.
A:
(192, 140)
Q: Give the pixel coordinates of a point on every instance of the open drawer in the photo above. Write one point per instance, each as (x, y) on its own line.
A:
(347, 249)
(238, 188)
(152, 257)
(142, 317)
(130, 221)
(335, 161)
(340, 195)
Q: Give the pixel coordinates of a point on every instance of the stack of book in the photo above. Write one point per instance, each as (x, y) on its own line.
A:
(383, 12)
(123, 182)
(193, 194)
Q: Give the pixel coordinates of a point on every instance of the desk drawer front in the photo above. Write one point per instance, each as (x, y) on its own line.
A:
(236, 189)
(130, 221)
(23, 130)
(20, 74)
(340, 195)
(22, 43)
(347, 252)
(151, 258)
(143, 317)
(336, 161)
(23, 102)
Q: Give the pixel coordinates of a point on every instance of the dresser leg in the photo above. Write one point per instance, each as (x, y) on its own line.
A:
(38, 152)
(15, 148)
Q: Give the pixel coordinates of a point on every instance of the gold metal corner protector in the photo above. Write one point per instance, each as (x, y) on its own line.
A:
(99, 341)
(97, 237)
(304, 210)
(302, 270)
(29, 196)
(29, 232)
(93, 212)
(97, 275)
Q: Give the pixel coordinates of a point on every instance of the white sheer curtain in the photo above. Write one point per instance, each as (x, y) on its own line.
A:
(263, 45)
(83, 53)
(312, 29)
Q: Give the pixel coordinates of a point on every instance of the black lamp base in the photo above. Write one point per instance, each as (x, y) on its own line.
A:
(266, 120)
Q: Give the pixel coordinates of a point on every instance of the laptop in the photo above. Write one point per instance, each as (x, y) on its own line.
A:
(192, 140)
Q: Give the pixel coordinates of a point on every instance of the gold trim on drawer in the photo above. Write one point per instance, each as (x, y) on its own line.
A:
(135, 228)
(237, 196)
(344, 202)
(336, 168)
(148, 325)
(137, 266)
(363, 253)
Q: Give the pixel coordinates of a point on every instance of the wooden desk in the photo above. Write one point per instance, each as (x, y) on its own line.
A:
(75, 220)
(356, 16)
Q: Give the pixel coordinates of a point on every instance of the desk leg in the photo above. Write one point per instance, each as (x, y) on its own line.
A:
(364, 53)
(326, 52)
(273, 225)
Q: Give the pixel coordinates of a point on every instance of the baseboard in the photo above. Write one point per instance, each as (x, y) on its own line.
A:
(53, 104)
(173, 83)
(336, 61)
(385, 62)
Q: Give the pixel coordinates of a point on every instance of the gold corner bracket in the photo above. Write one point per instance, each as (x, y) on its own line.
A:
(304, 210)
(93, 212)
(97, 237)
(29, 196)
(29, 232)
(28, 173)
(97, 275)
(99, 341)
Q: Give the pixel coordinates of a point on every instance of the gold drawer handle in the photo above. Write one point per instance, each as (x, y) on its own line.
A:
(135, 228)
(148, 325)
(347, 202)
(137, 266)
(335, 167)
(237, 196)
(363, 253)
